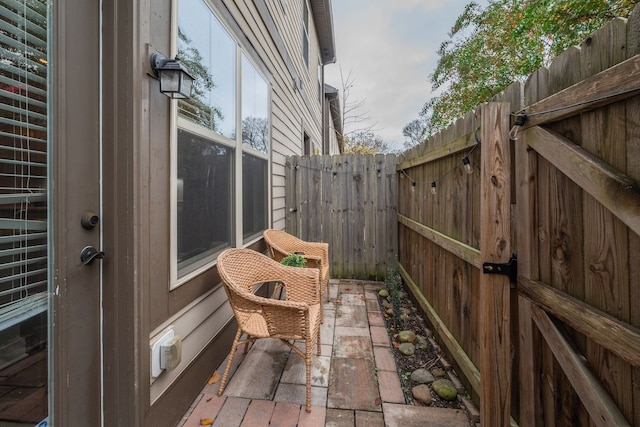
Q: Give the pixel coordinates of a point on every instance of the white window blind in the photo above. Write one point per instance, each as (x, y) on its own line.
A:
(23, 160)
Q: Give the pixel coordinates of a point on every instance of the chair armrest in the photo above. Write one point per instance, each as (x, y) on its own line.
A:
(264, 302)
(313, 261)
(282, 247)
(301, 284)
(317, 249)
(281, 318)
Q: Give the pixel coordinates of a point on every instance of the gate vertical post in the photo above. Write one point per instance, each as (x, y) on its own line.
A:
(527, 250)
(495, 247)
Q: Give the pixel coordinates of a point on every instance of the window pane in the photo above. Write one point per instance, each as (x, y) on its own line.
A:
(254, 195)
(204, 198)
(305, 48)
(209, 52)
(25, 148)
(255, 103)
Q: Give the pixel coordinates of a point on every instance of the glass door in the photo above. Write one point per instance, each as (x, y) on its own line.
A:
(24, 230)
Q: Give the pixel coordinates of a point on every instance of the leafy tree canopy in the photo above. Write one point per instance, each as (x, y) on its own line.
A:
(414, 132)
(364, 142)
(490, 48)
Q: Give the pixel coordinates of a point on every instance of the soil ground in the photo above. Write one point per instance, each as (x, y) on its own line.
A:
(429, 358)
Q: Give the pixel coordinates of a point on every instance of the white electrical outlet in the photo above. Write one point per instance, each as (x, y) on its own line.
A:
(156, 370)
(171, 353)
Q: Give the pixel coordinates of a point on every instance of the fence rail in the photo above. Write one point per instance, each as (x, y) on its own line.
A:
(568, 332)
(561, 346)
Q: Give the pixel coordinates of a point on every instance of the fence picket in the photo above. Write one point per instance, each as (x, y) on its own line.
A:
(575, 183)
(351, 203)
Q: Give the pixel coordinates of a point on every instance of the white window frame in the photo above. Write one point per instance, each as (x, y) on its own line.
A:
(249, 150)
(236, 145)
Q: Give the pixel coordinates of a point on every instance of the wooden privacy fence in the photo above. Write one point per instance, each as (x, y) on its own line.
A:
(558, 342)
(351, 203)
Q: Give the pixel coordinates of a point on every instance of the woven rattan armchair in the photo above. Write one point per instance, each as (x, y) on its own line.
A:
(296, 317)
(281, 244)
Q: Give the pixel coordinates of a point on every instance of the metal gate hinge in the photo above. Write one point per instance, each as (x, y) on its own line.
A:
(509, 269)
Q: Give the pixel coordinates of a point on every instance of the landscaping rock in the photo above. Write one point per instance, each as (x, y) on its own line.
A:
(383, 293)
(445, 389)
(407, 336)
(422, 394)
(407, 349)
(422, 376)
(438, 373)
(421, 342)
(410, 359)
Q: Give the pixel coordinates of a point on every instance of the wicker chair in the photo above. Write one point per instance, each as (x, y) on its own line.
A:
(281, 244)
(296, 317)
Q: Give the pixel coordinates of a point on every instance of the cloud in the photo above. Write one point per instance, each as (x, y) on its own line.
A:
(390, 48)
(421, 5)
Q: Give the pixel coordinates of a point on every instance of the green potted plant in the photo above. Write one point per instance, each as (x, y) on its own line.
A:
(294, 260)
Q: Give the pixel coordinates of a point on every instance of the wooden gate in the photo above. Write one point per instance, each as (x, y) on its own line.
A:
(578, 169)
(561, 347)
(350, 202)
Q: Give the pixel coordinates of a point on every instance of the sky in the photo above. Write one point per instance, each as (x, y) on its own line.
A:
(390, 47)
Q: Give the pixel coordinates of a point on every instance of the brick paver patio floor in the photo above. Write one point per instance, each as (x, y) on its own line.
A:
(354, 380)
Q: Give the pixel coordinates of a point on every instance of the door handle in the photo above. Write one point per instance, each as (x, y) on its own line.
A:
(88, 254)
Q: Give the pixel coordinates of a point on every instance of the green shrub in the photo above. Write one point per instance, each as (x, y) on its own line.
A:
(393, 283)
(294, 260)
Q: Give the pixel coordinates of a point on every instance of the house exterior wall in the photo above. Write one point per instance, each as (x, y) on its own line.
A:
(294, 90)
(270, 31)
(112, 148)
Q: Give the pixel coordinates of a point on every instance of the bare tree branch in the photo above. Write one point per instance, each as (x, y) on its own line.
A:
(351, 115)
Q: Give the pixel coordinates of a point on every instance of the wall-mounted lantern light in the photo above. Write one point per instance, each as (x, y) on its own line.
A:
(175, 81)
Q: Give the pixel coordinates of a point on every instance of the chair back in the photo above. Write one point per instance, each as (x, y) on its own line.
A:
(281, 243)
(242, 269)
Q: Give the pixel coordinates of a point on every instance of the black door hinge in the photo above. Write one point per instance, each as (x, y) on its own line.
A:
(509, 269)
